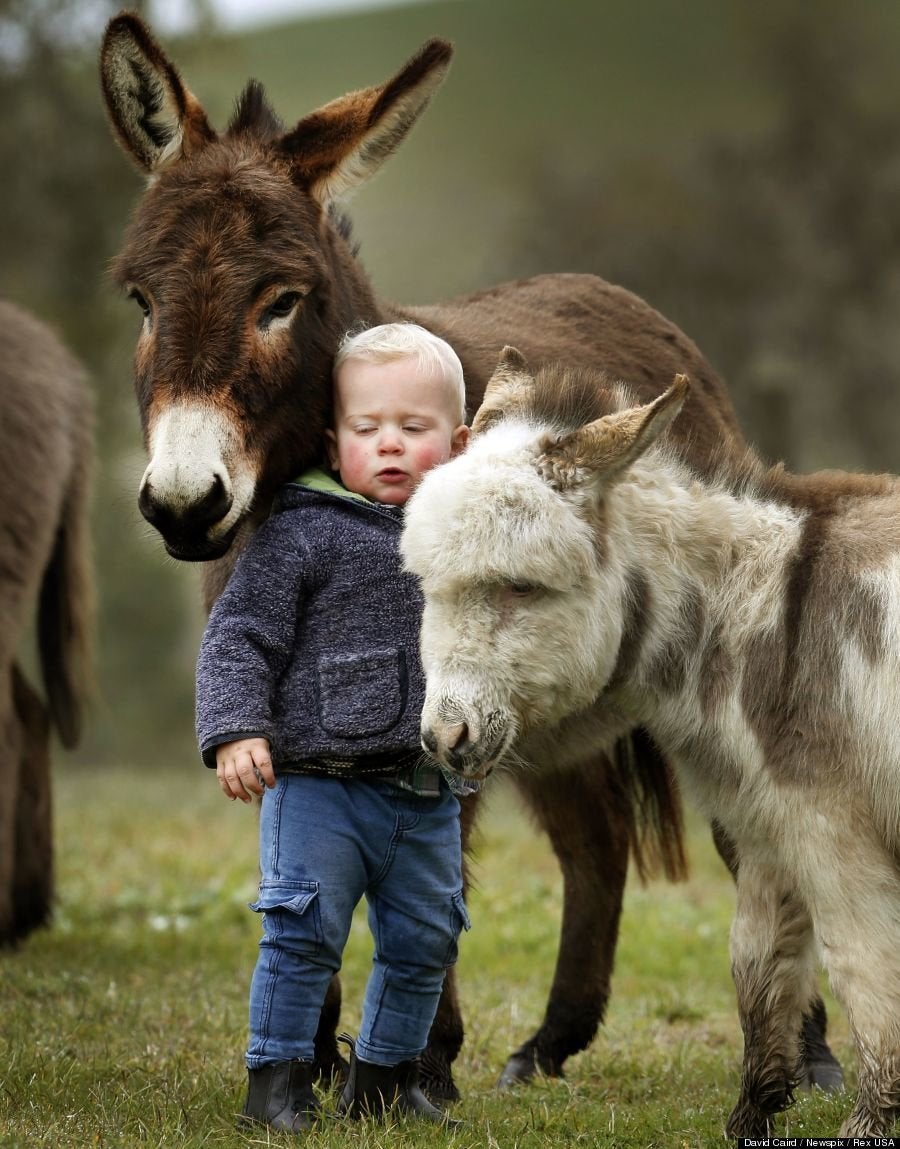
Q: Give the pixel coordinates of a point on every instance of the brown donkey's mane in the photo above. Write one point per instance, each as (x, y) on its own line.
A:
(254, 115)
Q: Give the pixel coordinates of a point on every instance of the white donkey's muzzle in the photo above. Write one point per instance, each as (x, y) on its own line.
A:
(462, 740)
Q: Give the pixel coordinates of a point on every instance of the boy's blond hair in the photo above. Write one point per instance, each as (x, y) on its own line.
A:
(391, 341)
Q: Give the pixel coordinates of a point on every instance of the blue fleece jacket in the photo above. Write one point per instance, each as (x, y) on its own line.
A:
(314, 643)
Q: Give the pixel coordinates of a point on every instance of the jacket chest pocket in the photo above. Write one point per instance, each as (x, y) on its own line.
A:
(362, 694)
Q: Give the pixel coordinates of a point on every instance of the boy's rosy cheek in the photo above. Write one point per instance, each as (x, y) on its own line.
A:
(353, 456)
(429, 455)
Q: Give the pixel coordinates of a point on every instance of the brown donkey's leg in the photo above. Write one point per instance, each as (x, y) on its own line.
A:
(818, 1065)
(587, 820)
(329, 1066)
(446, 1036)
(32, 877)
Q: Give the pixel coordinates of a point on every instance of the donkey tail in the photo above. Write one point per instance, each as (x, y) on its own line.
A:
(66, 605)
(657, 831)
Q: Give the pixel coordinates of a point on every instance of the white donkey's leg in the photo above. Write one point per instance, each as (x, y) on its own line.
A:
(774, 970)
(856, 903)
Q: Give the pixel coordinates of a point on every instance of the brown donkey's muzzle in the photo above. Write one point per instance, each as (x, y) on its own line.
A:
(185, 528)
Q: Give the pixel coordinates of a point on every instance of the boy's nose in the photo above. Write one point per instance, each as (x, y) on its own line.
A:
(389, 443)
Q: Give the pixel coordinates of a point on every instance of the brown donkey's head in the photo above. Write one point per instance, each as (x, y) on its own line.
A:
(243, 273)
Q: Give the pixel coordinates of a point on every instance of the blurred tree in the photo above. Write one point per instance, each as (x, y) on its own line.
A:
(65, 191)
(59, 174)
(779, 253)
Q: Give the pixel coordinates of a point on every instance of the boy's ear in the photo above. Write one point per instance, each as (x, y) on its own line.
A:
(332, 449)
(458, 440)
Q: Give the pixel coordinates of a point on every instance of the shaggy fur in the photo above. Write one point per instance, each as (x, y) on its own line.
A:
(582, 580)
(45, 460)
(246, 278)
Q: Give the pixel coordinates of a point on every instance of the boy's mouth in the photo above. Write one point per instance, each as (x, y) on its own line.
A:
(392, 475)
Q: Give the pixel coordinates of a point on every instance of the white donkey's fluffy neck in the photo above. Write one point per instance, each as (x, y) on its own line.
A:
(698, 561)
(667, 521)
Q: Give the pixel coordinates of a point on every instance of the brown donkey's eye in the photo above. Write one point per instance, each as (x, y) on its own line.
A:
(281, 308)
(139, 300)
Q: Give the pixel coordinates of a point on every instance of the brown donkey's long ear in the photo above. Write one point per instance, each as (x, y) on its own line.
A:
(336, 148)
(508, 390)
(601, 451)
(156, 118)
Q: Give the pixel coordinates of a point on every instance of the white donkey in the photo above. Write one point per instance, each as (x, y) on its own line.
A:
(580, 581)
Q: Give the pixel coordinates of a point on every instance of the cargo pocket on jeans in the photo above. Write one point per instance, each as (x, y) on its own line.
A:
(300, 900)
(459, 921)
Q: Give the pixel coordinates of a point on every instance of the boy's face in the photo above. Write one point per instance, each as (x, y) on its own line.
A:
(391, 426)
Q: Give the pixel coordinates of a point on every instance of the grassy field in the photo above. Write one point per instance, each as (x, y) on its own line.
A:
(125, 1023)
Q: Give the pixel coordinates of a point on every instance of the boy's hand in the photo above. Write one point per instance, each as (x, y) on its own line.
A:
(243, 766)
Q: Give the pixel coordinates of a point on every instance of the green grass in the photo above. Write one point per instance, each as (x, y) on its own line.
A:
(124, 1024)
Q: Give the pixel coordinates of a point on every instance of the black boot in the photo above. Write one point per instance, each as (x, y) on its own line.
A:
(372, 1090)
(281, 1096)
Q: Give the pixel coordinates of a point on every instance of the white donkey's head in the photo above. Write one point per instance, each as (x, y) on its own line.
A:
(511, 541)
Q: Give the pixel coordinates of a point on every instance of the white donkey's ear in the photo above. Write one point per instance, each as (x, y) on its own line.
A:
(508, 389)
(336, 148)
(156, 118)
(600, 452)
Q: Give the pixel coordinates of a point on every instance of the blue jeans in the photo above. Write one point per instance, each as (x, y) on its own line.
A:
(324, 843)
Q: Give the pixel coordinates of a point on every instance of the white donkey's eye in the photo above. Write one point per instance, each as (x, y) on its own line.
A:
(521, 589)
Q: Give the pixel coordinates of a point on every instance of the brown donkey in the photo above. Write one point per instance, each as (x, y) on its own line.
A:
(46, 448)
(246, 278)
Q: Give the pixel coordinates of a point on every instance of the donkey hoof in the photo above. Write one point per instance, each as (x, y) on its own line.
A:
(330, 1069)
(825, 1075)
(436, 1079)
(517, 1071)
(748, 1120)
(522, 1068)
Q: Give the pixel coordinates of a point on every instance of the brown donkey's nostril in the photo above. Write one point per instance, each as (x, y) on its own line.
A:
(205, 512)
(216, 503)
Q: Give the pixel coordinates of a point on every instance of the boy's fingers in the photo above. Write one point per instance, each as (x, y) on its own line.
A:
(262, 760)
(232, 782)
(246, 769)
(265, 769)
